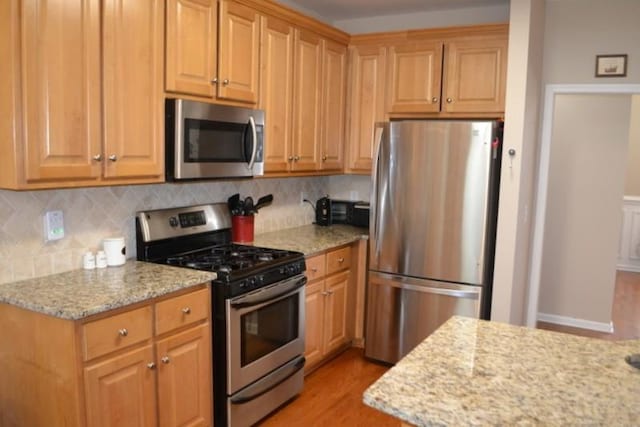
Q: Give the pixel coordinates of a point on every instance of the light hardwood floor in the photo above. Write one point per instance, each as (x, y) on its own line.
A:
(625, 312)
(332, 396)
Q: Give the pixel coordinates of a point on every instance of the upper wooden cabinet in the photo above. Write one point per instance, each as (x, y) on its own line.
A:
(90, 111)
(191, 46)
(415, 72)
(332, 131)
(462, 71)
(367, 66)
(195, 67)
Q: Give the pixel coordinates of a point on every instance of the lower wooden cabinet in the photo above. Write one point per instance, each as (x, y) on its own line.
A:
(149, 365)
(329, 305)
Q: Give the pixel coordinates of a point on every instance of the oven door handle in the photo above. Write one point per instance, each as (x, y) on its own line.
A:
(268, 294)
(268, 383)
(254, 140)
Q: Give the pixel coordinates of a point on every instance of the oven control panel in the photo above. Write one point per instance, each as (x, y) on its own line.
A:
(271, 276)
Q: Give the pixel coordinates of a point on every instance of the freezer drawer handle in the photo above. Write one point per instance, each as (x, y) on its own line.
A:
(473, 294)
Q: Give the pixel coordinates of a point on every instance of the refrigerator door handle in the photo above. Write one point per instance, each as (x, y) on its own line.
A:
(373, 229)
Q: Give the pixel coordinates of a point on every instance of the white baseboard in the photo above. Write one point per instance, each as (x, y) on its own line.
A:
(576, 323)
(627, 267)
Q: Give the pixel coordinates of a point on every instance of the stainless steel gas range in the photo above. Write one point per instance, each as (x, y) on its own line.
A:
(258, 307)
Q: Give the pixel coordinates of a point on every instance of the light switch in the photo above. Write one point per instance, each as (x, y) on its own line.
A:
(53, 225)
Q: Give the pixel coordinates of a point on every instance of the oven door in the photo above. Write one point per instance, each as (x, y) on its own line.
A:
(265, 330)
(216, 141)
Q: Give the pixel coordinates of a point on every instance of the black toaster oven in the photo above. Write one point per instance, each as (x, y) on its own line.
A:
(331, 211)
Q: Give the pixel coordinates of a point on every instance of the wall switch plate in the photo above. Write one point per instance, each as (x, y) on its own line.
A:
(53, 225)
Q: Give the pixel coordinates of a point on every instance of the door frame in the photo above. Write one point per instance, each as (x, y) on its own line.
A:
(551, 90)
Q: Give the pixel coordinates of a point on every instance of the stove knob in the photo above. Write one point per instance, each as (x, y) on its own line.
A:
(252, 281)
(261, 279)
(173, 221)
(242, 284)
(282, 270)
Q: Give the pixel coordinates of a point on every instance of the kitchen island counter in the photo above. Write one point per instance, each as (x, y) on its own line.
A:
(311, 239)
(77, 294)
(474, 372)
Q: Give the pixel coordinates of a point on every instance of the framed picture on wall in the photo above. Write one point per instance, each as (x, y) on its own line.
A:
(611, 65)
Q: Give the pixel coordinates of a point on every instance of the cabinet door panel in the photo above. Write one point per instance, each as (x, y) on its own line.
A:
(336, 311)
(184, 378)
(306, 101)
(239, 52)
(366, 103)
(121, 390)
(334, 106)
(133, 96)
(314, 320)
(475, 73)
(191, 38)
(415, 77)
(60, 52)
(276, 88)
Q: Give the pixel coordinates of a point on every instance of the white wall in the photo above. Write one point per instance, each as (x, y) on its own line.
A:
(588, 154)
(632, 180)
(510, 287)
(578, 30)
(350, 187)
(428, 19)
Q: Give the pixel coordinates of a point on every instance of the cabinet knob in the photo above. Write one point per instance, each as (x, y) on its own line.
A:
(165, 360)
(186, 310)
(113, 157)
(151, 365)
(340, 260)
(324, 158)
(315, 270)
(123, 332)
(324, 293)
(214, 81)
(434, 100)
(296, 158)
(225, 82)
(449, 100)
(290, 158)
(97, 157)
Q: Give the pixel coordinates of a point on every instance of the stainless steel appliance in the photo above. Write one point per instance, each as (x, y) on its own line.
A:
(258, 307)
(333, 211)
(432, 229)
(212, 141)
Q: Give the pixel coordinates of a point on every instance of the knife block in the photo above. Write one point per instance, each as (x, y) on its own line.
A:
(242, 228)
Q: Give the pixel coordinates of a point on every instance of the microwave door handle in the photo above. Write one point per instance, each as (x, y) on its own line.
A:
(254, 140)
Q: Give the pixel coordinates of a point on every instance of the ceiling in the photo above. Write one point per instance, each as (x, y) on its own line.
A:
(352, 9)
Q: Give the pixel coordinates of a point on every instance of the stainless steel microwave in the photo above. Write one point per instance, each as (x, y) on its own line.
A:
(206, 141)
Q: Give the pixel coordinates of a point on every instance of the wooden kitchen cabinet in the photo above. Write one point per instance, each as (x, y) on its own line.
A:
(328, 297)
(366, 106)
(213, 53)
(145, 366)
(464, 72)
(334, 94)
(90, 108)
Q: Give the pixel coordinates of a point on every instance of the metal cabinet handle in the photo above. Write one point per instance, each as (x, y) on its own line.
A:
(340, 260)
(325, 293)
(151, 365)
(97, 157)
(214, 81)
(324, 158)
(113, 157)
(186, 310)
(290, 158)
(225, 82)
(434, 99)
(314, 270)
(449, 100)
(123, 332)
(165, 360)
(296, 158)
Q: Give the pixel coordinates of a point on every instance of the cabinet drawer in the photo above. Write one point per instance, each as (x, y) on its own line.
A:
(315, 267)
(338, 260)
(113, 333)
(182, 310)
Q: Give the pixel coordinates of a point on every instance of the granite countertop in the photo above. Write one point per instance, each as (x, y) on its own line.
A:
(80, 293)
(311, 239)
(474, 372)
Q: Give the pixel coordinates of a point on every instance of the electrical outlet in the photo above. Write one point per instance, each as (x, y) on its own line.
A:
(53, 225)
(303, 195)
(353, 195)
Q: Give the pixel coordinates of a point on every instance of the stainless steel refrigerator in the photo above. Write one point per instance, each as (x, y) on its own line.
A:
(432, 229)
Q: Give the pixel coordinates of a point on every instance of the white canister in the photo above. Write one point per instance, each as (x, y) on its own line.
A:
(89, 261)
(101, 259)
(115, 250)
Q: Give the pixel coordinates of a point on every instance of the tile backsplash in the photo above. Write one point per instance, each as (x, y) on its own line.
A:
(91, 214)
